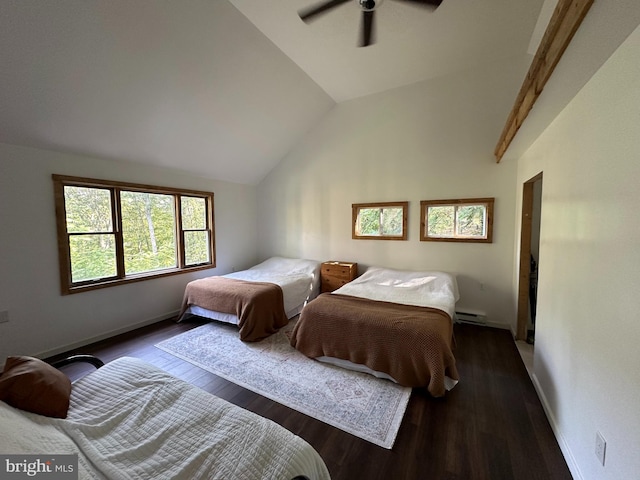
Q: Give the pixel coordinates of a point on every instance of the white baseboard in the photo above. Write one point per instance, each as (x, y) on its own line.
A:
(103, 336)
(564, 447)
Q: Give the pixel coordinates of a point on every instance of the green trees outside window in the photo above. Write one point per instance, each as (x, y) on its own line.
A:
(111, 233)
(89, 220)
(194, 225)
(382, 221)
(466, 220)
(148, 231)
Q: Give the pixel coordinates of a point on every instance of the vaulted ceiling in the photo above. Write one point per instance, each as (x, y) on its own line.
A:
(413, 43)
(222, 88)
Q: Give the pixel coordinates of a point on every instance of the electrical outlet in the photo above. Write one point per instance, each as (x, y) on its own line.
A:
(4, 316)
(601, 447)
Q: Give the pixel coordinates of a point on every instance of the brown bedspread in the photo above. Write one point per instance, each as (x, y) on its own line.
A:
(259, 306)
(412, 344)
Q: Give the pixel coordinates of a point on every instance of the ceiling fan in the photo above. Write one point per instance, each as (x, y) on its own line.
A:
(368, 8)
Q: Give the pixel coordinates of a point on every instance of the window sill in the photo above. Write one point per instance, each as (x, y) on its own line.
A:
(139, 277)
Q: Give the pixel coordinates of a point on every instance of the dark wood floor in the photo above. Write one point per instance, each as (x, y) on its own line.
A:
(491, 426)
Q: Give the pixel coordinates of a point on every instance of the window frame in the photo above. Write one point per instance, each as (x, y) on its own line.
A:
(67, 286)
(488, 203)
(182, 252)
(355, 210)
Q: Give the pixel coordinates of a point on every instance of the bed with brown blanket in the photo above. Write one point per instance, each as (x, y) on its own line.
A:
(259, 306)
(260, 300)
(393, 324)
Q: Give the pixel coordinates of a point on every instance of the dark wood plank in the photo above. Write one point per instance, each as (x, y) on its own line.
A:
(491, 426)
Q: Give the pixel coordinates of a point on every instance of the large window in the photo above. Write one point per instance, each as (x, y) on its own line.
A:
(380, 221)
(111, 233)
(466, 220)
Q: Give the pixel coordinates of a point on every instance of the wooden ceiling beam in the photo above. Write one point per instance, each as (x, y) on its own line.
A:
(564, 23)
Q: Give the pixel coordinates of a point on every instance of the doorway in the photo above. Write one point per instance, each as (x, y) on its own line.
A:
(529, 258)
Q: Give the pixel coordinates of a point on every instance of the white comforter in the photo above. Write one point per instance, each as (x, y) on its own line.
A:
(24, 433)
(424, 289)
(298, 278)
(130, 420)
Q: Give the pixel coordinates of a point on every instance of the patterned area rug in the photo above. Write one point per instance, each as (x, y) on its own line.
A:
(358, 403)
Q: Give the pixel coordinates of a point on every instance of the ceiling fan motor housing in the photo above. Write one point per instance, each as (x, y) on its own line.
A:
(369, 5)
(368, 8)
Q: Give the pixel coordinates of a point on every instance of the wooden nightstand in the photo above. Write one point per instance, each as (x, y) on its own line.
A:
(335, 274)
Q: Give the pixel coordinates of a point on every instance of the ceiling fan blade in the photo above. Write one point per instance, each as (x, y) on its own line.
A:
(307, 14)
(424, 3)
(367, 28)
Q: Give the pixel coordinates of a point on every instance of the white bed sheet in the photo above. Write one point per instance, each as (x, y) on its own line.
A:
(298, 278)
(423, 289)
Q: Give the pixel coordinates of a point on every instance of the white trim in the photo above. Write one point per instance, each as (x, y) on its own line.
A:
(103, 336)
(564, 446)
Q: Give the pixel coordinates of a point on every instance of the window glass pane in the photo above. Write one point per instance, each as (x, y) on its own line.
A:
(369, 221)
(392, 221)
(112, 233)
(458, 220)
(148, 231)
(471, 221)
(88, 209)
(92, 257)
(440, 221)
(196, 247)
(194, 213)
(380, 220)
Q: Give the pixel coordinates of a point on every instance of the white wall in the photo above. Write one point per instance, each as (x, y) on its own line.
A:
(586, 353)
(41, 320)
(431, 140)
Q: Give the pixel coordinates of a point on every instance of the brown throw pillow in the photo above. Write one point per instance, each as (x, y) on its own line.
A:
(30, 384)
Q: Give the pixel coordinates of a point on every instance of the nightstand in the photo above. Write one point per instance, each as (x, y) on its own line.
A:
(335, 274)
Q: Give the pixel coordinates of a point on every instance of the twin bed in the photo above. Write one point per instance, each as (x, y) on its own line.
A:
(260, 300)
(393, 324)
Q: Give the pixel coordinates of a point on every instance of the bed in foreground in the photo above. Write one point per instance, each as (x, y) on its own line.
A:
(129, 419)
(391, 323)
(260, 300)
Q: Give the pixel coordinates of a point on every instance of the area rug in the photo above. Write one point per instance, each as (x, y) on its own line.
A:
(358, 403)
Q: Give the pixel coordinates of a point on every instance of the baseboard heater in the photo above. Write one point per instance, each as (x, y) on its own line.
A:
(472, 317)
